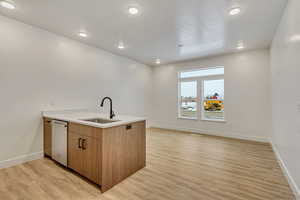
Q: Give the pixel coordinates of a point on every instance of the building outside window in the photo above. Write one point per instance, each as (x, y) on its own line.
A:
(201, 94)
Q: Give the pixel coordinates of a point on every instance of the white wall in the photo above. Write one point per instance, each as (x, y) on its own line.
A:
(247, 92)
(41, 71)
(285, 69)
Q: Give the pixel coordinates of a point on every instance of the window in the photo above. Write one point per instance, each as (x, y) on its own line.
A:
(213, 100)
(202, 90)
(188, 99)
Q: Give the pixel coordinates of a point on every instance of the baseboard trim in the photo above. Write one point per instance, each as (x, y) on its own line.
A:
(20, 159)
(207, 132)
(286, 172)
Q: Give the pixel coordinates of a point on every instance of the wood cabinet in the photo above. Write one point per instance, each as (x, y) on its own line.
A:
(90, 158)
(83, 155)
(136, 147)
(124, 152)
(74, 152)
(105, 156)
(47, 136)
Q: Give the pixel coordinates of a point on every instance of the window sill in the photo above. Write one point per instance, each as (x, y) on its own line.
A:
(188, 118)
(214, 120)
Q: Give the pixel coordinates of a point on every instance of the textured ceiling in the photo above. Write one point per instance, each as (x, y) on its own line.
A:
(203, 27)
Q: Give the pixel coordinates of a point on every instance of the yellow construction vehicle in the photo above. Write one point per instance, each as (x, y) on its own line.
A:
(213, 105)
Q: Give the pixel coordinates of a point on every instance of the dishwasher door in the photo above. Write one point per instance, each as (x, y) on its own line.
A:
(59, 142)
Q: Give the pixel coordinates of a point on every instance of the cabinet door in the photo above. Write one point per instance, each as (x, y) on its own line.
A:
(75, 152)
(47, 137)
(131, 149)
(90, 158)
(135, 147)
(113, 157)
(141, 143)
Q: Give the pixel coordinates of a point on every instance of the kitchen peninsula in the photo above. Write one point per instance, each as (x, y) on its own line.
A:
(103, 150)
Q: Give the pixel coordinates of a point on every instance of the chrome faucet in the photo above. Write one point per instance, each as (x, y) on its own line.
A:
(112, 114)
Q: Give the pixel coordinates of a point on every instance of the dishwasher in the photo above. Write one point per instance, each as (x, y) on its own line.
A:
(59, 142)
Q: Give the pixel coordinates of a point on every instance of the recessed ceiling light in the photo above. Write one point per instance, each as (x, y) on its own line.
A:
(8, 5)
(235, 11)
(295, 38)
(121, 45)
(82, 34)
(157, 61)
(133, 10)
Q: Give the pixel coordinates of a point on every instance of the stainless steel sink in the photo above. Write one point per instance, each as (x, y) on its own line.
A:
(100, 120)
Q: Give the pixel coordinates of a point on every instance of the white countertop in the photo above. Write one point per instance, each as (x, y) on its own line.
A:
(78, 116)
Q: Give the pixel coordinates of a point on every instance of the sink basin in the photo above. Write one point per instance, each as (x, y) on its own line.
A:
(100, 120)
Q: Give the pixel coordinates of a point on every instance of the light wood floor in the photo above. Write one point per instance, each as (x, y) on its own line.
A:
(180, 166)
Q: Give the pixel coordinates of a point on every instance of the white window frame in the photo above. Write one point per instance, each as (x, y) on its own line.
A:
(200, 94)
(179, 99)
(212, 78)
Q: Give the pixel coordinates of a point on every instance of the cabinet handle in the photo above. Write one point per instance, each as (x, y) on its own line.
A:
(83, 144)
(128, 127)
(79, 143)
